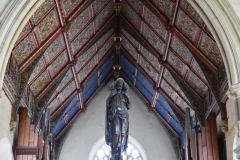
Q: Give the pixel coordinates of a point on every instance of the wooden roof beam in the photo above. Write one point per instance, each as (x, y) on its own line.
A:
(141, 39)
(95, 36)
(150, 4)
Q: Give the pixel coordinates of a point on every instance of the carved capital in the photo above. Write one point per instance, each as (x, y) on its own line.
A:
(224, 126)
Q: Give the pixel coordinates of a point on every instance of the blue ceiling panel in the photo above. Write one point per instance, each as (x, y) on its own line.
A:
(90, 91)
(143, 90)
(90, 82)
(72, 112)
(162, 111)
(72, 103)
(163, 101)
(106, 73)
(59, 127)
(127, 73)
(175, 117)
(145, 82)
(175, 125)
(109, 61)
(124, 61)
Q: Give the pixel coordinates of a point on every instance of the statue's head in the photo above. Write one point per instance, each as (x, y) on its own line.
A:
(119, 84)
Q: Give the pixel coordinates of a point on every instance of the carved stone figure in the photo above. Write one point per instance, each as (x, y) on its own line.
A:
(117, 119)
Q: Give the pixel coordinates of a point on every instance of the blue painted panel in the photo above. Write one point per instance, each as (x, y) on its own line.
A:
(72, 103)
(162, 111)
(175, 125)
(89, 92)
(163, 101)
(59, 127)
(146, 94)
(105, 74)
(173, 115)
(72, 112)
(109, 61)
(178, 128)
(127, 73)
(145, 82)
(124, 61)
(90, 82)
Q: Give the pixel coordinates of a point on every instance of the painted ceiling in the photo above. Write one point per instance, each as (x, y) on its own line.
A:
(66, 52)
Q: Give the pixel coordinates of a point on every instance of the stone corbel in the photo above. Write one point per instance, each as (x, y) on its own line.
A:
(224, 126)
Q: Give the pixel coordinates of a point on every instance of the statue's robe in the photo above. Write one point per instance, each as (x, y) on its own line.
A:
(117, 122)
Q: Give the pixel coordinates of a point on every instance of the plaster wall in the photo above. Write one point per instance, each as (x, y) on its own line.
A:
(6, 137)
(5, 116)
(144, 127)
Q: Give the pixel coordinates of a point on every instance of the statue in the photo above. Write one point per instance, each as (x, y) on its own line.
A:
(117, 120)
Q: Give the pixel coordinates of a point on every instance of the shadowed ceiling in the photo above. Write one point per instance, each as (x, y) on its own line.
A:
(66, 53)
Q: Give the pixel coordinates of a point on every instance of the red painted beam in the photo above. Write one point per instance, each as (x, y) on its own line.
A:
(149, 78)
(134, 88)
(118, 26)
(155, 52)
(127, 55)
(185, 39)
(52, 36)
(76, 114)
(177, 91)
(99, 88)
(199, 36)
(60, 13)
(144, 20)
(64, 103)
(195, 50)
(84, 81)
(149, 4)
(94, 36)
(172, 103)
(38, 50)
(63, 69)
(189, 65)
(76, 11)
(185, 83)
(165, 122)
(140, 53)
